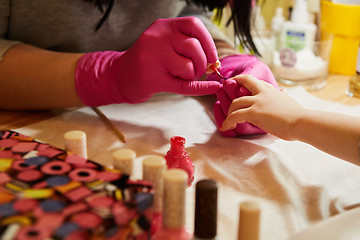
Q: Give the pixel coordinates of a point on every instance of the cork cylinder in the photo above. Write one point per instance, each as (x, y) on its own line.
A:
(154, 168)
(175, 183)
(123, 160)
(249, 221)
(75, 143)
(206, 209)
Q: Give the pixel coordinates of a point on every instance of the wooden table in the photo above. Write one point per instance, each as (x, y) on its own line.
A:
(16, 119)
(333, 91)
(286, 177)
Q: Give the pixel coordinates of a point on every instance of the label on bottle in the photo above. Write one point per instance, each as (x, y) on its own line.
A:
(295, 40)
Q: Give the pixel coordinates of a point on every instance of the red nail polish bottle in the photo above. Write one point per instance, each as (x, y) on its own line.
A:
(177, 157)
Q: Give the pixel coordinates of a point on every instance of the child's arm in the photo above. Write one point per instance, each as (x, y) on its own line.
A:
(278, 114)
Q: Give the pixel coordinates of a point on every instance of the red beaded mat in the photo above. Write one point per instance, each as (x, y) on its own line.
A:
(47, 193)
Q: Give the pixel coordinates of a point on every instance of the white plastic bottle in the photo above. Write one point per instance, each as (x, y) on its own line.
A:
(299, 31)
(261, 37)
(277, 23)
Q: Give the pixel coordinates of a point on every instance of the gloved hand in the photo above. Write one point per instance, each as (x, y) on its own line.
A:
(232, 66)
(169, 56)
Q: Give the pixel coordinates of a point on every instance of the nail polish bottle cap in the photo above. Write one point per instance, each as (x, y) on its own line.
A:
(123, 160)
(206, 209)
(154, 168)
(75, 143)
(175, 183)
(249, 221)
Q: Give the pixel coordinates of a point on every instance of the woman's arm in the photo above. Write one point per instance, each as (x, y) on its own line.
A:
(34, 78)
(278, 114)
(169, 56)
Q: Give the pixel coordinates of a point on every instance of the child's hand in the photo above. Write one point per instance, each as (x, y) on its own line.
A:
(268, 108)
(232, 66)
(230, 91)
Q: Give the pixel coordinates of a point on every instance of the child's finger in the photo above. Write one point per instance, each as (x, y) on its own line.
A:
(283, 90)
(268, 84)
(251, 83)
(219, 119)
(234, 118)
(240, 103)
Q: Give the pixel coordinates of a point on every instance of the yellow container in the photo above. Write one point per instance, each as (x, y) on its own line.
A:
(343, 22)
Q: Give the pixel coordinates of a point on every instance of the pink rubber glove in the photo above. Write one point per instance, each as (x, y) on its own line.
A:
(169, 56)
(232, 66)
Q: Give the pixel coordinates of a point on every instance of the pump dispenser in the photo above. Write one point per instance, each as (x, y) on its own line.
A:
(299, 31)
(300, 13)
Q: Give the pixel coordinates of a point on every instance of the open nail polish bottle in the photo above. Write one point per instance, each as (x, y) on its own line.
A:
(177, 157)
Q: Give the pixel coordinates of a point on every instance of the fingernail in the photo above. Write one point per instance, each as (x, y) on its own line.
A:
(217, 64)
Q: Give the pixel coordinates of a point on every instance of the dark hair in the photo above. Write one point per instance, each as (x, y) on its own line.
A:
(102, 4)
(240, 16)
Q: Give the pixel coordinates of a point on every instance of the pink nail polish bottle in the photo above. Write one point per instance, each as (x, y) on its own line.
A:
(205, 210)
(177, 157)
(173, 222)
(154, 168)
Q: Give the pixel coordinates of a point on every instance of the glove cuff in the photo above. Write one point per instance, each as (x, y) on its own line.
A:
(96, 76)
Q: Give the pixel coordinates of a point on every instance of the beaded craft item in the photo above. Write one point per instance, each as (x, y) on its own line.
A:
(48, 193)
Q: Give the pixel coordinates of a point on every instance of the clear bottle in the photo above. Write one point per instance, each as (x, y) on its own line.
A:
(261, 36)
(177, 157)
(299, 31)
(277, 23)
(354, 86)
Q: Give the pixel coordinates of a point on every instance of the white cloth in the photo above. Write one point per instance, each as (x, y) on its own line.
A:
(295, 184)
